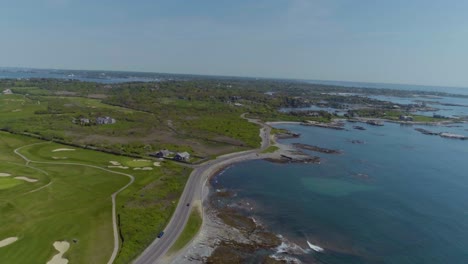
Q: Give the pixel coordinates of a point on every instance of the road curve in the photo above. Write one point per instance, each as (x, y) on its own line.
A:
(113, 196)
(193, 191)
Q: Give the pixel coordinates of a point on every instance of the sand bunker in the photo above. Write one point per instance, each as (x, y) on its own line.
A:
(117, 167)
(115, 163)
(157, 164)
(24, 178)
(62, 149)
(61, 247)
(58, 158)
(141, 160)
(3, 174)
(7, 241)
(143, 168)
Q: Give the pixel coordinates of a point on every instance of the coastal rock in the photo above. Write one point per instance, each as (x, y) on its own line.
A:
(287, 134)
(454, 136)
(332, 125)
(359, 128)
(425, 132)
(316, 148)
(375, 122)
(285, 159)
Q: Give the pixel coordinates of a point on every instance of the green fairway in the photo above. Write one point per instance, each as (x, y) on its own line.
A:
(71, 201)
(139, 163)
(76, 206)
(6, 183)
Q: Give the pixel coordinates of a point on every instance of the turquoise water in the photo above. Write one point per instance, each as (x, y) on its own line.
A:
(401, 197)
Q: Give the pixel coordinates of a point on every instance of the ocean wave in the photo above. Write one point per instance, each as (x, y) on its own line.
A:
(291, 248)
(288, 259)
(314, 247)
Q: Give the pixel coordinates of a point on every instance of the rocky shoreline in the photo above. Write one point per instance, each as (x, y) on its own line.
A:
(316, 148)
(229, 235)
(442, 134)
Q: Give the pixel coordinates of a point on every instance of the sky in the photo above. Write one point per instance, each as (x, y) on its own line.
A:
(397, 41)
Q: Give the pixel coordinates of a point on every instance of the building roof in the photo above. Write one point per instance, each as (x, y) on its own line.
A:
(183, 154)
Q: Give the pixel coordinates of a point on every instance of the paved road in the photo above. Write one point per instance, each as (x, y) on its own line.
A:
(193, 191)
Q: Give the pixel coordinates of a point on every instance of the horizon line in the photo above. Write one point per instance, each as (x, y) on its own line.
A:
(238, 76)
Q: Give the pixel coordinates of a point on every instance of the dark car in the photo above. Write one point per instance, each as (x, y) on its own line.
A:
(161, 234)
(188, 204)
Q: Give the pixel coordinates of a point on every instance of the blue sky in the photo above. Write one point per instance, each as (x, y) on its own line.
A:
(410, 41)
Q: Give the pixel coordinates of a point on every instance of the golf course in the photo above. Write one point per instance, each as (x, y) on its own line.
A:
(56, 202)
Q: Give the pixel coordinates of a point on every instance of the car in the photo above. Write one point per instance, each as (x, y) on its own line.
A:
(188, 204)
(161, 234)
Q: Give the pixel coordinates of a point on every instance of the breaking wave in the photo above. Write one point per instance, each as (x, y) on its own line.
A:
(314, 247)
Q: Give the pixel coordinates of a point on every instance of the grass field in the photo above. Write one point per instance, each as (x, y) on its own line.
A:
(73, 202)
(270, 149)
(200, 128)
(191, 229)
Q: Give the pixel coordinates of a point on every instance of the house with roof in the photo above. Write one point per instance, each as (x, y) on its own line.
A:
(105, 120)
(163, 153)
(406, 118)
(7, 91)
(182, 156)
(84, 121)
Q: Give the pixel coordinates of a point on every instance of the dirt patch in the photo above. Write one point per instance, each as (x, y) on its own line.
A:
(61, 247)
(7, 241)
(24, 178)
(4, 174)
(63, 149)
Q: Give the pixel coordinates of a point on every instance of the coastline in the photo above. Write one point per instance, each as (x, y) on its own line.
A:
(215, 233)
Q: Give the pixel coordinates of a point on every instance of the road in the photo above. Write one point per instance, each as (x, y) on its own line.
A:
(192, 192)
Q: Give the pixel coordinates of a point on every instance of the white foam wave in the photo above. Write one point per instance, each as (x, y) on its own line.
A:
(314, 247)
(291, 248)
(288, 259)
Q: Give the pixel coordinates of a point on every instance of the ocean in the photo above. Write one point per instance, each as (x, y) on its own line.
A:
(400, 197)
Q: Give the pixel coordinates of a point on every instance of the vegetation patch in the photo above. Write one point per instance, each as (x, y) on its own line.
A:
(6, 183)
(191, 229)
(270, 149)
